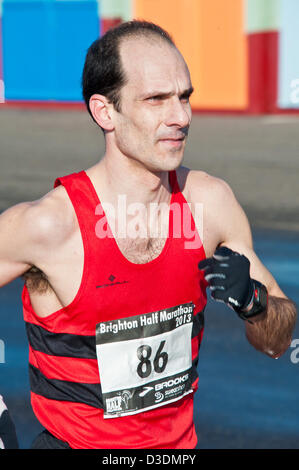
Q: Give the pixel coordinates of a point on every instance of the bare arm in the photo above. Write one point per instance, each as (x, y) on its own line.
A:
(13, 238)
(271, 331)
(29, 232)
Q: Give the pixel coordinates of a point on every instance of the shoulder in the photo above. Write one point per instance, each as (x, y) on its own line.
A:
(51, 219)
(224, 219)
(35, 227)
(203, 187)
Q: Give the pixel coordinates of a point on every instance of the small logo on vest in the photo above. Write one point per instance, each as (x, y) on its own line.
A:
(126, 395)
(113, 404)
(145, 391)
(111, 279)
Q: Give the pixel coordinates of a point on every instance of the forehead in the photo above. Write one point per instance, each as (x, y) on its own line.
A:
(151, 63)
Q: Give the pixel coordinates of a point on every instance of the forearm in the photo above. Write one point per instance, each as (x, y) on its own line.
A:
(271, 331)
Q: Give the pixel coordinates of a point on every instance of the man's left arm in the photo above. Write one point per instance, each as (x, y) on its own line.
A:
(232, 275)
(270, 331)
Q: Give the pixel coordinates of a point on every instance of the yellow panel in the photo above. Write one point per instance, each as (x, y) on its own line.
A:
(210, 35)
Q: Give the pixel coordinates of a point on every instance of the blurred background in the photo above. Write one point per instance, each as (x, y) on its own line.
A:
(244, 64)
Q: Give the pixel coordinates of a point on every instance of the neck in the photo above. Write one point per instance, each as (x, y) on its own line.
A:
(120, 176)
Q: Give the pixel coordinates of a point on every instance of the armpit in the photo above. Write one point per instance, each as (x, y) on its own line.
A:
(36, 280)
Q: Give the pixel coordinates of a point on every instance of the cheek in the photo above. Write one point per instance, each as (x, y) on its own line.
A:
(131, 139)
(134, 133)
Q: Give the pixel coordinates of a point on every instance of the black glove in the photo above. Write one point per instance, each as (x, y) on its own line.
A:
(227, 274)
(8, 437)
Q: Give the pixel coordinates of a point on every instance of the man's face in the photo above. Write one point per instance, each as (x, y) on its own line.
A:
(155, 115)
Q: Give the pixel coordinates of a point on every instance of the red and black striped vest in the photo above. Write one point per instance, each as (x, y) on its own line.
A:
(117, 368)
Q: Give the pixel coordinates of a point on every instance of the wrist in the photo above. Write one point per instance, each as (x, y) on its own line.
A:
(258, 303)
(249, 306)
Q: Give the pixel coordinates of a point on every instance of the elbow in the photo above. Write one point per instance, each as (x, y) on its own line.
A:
(276, 354)
(273, 349)
(273, 354)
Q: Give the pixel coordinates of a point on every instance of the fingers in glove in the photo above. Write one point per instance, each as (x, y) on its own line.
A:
(215, 279)
(206, 263)
(220, 295)
(225, 252)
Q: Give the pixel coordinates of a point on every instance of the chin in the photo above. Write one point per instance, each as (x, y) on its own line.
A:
(166, 159)
(172, 161)
(166, 165)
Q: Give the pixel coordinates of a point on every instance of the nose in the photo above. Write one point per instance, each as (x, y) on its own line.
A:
(178, 113)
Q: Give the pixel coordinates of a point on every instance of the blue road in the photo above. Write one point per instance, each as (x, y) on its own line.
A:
(245, 399)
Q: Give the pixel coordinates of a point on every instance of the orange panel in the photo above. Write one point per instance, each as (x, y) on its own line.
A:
(211, 37)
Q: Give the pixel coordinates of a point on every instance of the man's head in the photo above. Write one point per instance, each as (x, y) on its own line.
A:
(103, 71)
(136, 86)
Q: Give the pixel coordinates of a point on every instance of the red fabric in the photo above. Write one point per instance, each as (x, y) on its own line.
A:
(83, 426)
(108, 23)
(263, 71)
(65, 368)
(170, 279)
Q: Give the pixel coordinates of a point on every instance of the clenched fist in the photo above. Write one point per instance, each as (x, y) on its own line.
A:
(228, 276)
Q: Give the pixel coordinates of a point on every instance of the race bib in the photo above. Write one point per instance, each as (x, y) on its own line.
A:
(145, 361)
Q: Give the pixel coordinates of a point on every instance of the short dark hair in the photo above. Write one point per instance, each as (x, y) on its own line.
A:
(103, 73)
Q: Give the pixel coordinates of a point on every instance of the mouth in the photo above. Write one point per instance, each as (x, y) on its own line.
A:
(173, 141)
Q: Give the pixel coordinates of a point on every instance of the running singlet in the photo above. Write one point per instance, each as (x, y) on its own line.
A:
(117, 367)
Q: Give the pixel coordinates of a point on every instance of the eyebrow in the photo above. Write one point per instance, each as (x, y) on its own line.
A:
(187, 93)
(157, 93)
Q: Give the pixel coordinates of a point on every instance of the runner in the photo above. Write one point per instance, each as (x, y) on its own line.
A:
(117, 259)
(8, 437)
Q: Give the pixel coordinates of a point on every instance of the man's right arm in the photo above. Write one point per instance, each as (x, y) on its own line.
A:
(14, 261)
(29, 231)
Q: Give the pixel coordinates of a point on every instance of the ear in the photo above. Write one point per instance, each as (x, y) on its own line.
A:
(100, 109)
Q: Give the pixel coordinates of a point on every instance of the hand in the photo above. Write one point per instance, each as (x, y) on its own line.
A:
(227, 274)
(8, 437)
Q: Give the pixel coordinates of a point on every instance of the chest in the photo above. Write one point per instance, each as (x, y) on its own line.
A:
(57, 284)
(64, 267)
(141, 250)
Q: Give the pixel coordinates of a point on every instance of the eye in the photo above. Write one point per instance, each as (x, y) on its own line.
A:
(155, 98)
(185, 98)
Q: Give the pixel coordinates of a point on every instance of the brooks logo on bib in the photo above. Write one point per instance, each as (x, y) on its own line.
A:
(145, 361)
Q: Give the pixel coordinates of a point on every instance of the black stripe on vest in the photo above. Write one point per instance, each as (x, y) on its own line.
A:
(61, 344)
(78, 346)
(198, 323)
(194, 373)
(62, 390)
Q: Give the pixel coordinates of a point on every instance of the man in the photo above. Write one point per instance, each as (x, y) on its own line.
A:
(8, 437)
(113, 303)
